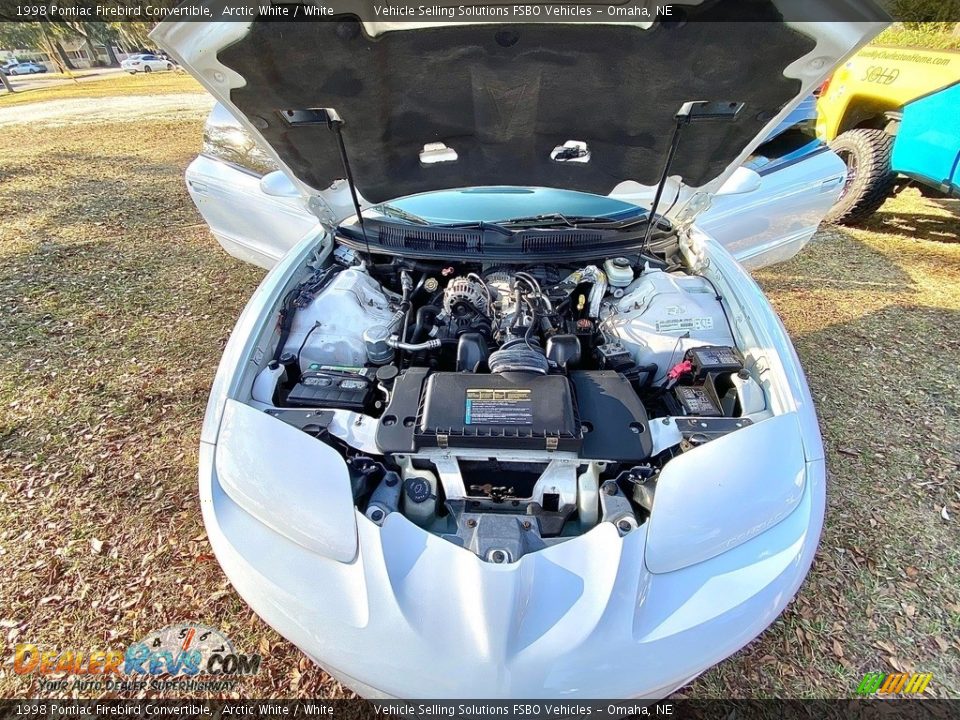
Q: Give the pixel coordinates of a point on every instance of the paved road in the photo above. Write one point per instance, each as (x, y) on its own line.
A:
(32, 82)
(77, 111)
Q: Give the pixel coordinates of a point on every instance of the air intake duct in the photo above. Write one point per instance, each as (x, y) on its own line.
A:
(519, 355)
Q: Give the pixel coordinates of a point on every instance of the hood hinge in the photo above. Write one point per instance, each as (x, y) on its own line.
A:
(691, 210)
(324, 213)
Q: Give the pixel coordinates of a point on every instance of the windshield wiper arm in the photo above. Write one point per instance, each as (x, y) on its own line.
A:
(395, 212)
(391, 211)
(478, 225)
(574, 221)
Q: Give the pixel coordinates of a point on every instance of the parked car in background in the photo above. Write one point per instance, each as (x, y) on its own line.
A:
(862, 111)
(765, 213)
(26, 68)
(146, 63)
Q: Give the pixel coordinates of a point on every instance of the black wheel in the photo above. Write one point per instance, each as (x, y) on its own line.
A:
(146, 69)
(870, 178)
(169, 66)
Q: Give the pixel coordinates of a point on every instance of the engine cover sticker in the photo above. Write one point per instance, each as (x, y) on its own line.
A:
(674, 324)
(498, 407)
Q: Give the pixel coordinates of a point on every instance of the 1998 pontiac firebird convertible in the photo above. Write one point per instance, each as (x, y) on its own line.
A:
(510, 423)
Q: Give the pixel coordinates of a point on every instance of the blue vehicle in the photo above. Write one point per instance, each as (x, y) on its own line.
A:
(927, 144)
(919, 145)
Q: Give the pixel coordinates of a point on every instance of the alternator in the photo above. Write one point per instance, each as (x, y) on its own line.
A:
(465, 295)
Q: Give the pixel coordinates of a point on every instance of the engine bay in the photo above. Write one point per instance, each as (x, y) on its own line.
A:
(506, 408)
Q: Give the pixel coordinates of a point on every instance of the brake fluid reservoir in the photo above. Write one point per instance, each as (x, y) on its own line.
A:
(663, 314)
(619, 272)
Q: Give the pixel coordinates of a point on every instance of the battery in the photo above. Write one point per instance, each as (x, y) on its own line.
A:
(332, 389)
(708, 359)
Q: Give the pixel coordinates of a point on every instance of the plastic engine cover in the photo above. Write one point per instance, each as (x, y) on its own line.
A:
(336, 319)
(662, 315)
(506, 410)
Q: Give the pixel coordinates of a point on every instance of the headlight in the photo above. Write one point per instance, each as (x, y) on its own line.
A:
(294, 484)
(725, 492)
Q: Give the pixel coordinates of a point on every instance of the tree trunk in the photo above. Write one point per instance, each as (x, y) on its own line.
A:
(63, 55)
(113, 62)
(6, 83)
(52, 51)
(54, 57)
(92, 51)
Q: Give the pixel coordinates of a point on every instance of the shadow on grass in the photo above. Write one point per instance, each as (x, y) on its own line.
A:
(837, 260)
(918, 226)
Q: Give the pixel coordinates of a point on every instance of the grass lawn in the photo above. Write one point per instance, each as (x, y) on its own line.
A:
(115, 304)
(935, 36)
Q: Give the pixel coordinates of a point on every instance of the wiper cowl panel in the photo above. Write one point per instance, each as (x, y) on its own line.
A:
(494, 241)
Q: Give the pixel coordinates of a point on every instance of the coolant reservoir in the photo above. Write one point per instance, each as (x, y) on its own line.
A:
(419, 493)
(662, 315)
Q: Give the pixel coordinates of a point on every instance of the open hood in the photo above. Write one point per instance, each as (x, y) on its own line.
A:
(434, 105)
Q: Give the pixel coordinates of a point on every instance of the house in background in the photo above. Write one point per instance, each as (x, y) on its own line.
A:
(81, 54)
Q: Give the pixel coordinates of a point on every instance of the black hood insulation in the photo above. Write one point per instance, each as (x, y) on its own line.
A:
(504, 96)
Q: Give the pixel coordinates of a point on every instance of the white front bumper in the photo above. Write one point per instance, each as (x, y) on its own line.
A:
(414, 616)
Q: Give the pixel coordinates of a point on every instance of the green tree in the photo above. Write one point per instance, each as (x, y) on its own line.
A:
(43, 36)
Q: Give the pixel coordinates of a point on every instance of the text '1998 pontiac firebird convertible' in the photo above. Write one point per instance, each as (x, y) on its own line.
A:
(509, 421)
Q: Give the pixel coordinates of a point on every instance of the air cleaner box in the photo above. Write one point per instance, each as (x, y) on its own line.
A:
(596, 414)
(507, 410)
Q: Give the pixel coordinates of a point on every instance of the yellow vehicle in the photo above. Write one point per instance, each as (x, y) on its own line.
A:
(859, 111)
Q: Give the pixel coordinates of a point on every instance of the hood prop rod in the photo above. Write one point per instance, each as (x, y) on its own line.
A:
(335, 123)
(694, 111)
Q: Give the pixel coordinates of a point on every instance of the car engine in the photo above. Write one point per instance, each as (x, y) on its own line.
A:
(507, 408)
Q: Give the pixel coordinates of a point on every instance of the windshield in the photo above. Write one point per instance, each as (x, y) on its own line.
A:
(498, 204)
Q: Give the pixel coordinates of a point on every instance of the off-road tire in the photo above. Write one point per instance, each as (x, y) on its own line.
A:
(867, 154)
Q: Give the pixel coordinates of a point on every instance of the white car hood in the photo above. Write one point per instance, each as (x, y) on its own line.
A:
(503, 97)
